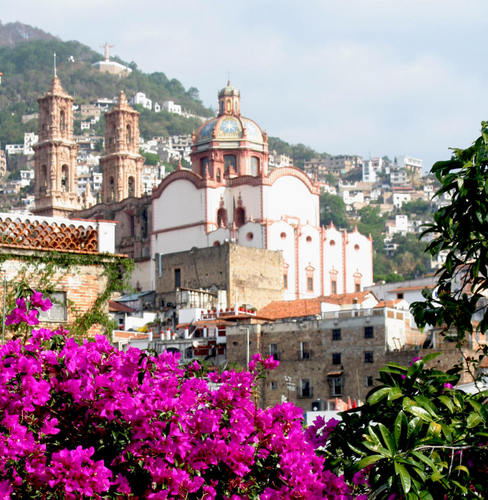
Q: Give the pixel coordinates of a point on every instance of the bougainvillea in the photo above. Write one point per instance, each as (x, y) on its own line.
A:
(90, 420)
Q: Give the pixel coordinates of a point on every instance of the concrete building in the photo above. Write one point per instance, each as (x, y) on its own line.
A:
(328, 347)
(172, 107)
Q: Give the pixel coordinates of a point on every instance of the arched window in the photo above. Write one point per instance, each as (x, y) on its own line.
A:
(131, 185)
(64, 178)
(43, 179)
(254, 165)
(62, 121)
(229, 163)
(204, 163)
(129, 135)
(240, 216)
(221, 217)
(113, 134)
(218, 175)
(111, 189)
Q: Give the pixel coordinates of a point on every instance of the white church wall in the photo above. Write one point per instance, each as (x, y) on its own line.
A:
(333, 261)
(218, 237)
(214, 197)
(180, 204)
(251, 234)
(281, 236)
(358, 261)
(179, 240)
(310, 265)
(251, 200)
(290, 197)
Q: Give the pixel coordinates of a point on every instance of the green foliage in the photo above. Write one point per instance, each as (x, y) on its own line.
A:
(460, 229)
(333, 209)
(417, 207)
(25, 78)
(150, 158)
(419, 437)
(298, 152)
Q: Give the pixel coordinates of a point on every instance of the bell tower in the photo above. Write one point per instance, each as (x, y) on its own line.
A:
(122, 163)
(56, 179)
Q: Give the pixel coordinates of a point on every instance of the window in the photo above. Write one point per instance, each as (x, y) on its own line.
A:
(254, 165)
(357, 287)
(64, 178)
(368, 332)
(369, 381)
(131, 187)
(336, 334)
(310, 284)
(333, 287)
(304, 350)
(204, 162)
(129, 135)
(59, 311)
(273, 351)
(239, 216)
(399, 295)
(336, 358)
(273, 385)
(285, 281)
(336, 386)
(177, 278)
(229, 163)
(221, 217)
(305, 388)
(368, 357)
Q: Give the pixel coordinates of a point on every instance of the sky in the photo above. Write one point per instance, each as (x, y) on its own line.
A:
(367, 77)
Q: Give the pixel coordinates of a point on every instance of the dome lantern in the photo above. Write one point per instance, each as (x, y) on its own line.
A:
(229, 101)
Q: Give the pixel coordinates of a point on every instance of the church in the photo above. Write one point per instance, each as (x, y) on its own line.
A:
(228, 197)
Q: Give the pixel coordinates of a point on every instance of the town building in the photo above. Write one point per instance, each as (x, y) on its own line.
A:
(29, 244)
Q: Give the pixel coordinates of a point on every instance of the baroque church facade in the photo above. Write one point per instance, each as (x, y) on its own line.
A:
(229, 195)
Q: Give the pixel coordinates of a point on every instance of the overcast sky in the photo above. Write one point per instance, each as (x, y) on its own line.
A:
(368, 77)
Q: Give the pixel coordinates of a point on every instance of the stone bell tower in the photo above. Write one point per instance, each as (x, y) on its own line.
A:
(122, 163)
(56, 179)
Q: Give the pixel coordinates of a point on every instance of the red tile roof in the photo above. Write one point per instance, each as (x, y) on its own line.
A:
(114, 306)
(281, 309)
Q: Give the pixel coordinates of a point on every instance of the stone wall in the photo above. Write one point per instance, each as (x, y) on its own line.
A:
(307, 351)
(250, 275)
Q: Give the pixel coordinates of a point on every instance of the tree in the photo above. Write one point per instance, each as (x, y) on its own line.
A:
(333, 209)
(461, 230)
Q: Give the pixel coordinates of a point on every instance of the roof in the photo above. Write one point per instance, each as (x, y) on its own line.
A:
(410, 288)
(134, 296)
(280, 309)
(389, 303)
(116, 307)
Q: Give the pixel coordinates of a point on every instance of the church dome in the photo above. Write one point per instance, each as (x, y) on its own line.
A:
(229, 124)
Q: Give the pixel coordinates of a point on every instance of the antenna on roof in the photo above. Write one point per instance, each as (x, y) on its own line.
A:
(54, 54)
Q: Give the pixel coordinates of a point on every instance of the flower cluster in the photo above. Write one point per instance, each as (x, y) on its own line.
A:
(27, 310)
(90, 421)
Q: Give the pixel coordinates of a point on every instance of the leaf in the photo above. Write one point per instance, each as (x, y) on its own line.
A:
(387, 438)
(378, 395)
(420, 412)
(446, 401)
(473, 420)
(405, 479)
(400, 423)
(370, 459)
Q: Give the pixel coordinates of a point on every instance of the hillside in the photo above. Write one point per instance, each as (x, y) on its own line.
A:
(26, 61)
(27, 73)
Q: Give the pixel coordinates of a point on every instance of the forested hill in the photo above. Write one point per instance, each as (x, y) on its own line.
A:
(26, 62)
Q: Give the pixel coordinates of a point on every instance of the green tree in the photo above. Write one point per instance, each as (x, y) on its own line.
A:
(333, 209)
(460, 229)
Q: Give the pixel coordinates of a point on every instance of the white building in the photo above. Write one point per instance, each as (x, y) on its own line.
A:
(141, 99)
(30, 138)
(172, 107)
(230, 195)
